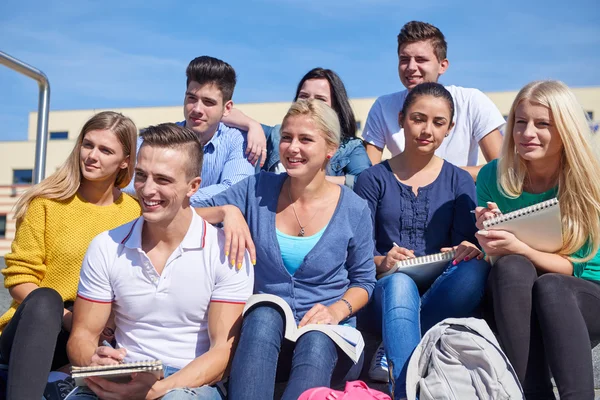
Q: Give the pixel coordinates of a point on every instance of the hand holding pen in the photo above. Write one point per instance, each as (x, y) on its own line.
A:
(485, 213)
(108, 355)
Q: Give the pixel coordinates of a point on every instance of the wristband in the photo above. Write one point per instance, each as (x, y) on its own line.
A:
(347, 304)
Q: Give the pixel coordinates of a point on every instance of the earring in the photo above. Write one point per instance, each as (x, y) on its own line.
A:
(446, 135)
(328, 156)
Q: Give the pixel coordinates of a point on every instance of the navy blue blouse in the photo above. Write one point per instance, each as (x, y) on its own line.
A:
(438, 217)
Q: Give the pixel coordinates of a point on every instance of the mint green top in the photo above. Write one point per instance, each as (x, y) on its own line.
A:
(295, 248)
(487, 190)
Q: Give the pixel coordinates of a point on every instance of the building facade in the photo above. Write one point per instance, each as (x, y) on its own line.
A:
(17, 158)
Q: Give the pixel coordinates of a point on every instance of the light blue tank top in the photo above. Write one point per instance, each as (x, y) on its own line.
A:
(295, 248)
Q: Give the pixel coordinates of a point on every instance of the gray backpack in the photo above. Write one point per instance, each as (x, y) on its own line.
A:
(460, 359)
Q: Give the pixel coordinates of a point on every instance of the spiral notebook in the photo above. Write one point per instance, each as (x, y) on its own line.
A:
(539, 225)
(120, 373)
(423, 270)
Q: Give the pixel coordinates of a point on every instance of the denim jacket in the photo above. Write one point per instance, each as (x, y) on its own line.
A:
(350, 159)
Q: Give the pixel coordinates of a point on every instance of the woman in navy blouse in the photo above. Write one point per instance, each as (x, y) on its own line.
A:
(420, 205)
(313, 249)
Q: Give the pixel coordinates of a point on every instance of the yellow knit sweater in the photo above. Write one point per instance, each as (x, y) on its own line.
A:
(52, 239)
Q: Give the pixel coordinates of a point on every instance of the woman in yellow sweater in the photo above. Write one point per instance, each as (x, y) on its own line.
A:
(56, 221)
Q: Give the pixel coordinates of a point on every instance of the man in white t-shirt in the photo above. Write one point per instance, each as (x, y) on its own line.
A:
(422, 58)
(166, 280)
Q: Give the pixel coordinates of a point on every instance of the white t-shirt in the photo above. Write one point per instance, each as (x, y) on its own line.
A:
(475, 116)
(165, 316)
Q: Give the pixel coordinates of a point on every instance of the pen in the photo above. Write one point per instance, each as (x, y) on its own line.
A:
(395, 245)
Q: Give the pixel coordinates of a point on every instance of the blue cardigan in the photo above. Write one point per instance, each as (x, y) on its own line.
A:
(341, 259)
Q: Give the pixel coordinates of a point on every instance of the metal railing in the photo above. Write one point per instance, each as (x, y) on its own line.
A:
(41, 141)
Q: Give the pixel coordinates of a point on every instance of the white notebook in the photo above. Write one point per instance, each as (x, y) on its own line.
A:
(423, 270)
(120, 373)
(539, 225)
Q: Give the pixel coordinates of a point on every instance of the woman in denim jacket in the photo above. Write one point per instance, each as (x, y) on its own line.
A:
(325, 85)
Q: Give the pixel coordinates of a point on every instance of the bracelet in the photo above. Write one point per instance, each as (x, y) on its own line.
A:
(347, 304)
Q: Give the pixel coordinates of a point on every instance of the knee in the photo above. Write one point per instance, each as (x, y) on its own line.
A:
(316, 347)
(513, 266)
(475, 272)
(549, 287)
(262, 323)
(398, 284)
(44, 305)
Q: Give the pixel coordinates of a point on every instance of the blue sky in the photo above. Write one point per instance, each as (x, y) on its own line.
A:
(129, 53)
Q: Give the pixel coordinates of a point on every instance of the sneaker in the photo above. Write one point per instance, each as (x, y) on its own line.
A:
(60, 389)
(378, 371)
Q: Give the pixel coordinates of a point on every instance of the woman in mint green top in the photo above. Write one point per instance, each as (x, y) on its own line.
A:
(545, 304)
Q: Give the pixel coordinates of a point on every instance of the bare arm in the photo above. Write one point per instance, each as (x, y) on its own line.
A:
(257, 142)
(89, 319)
(224, 322)
(237, 233)
(375, 153)
(491, 147)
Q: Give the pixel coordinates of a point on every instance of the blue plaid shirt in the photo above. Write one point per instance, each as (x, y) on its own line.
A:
(224, 163)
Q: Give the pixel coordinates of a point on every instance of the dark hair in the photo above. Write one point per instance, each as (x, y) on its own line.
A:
(205, 69)
(429, 89)
(339, 99)
(173, 136)
(417, 31)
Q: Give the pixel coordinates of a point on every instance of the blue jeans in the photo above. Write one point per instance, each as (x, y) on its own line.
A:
(263, 357)
(199, 393)
(403, 314)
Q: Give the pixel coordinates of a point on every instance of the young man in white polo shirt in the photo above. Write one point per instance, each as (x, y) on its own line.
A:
(167, 281)
(422, 58)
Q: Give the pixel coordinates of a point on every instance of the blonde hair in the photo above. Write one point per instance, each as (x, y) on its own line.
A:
(65, 182)
(579, 169)
(322, 115)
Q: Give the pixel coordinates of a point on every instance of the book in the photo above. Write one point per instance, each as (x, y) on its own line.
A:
(347, 338)
(539, 226)
(423, 270)
(120, 373)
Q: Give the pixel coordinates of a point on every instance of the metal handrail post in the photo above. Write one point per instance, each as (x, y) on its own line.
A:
(41, 142)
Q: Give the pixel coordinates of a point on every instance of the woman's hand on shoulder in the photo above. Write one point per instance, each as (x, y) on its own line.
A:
(465, 251)
(485, 213)
(500, 242)
(237, 236)
(395, 254)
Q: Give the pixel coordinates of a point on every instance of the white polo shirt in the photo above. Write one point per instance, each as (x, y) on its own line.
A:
(475, 115)
(165, 316)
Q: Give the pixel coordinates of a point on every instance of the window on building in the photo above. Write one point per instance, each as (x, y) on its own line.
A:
(3, 226)
(22, 176)
(358, 125)
(61, 135)
(590, 115)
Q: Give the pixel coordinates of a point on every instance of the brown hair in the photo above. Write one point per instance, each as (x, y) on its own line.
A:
(173, 136)
(417, 31)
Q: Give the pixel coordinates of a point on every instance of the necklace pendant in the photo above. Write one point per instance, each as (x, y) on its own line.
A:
(301, 233)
